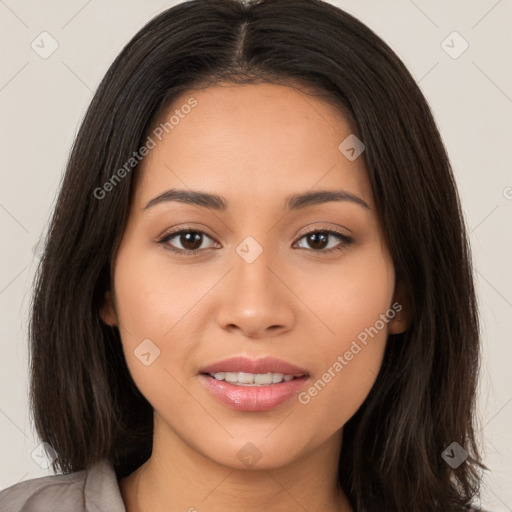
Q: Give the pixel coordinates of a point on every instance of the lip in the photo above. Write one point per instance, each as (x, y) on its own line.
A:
(262, 365)
(253, 398)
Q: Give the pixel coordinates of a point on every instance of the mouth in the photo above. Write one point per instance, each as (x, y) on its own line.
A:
(253, 385)
(257, 369)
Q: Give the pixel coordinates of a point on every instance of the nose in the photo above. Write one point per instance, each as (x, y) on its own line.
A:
(255, 299)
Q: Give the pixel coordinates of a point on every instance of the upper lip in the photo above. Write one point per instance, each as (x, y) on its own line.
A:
(262, 365)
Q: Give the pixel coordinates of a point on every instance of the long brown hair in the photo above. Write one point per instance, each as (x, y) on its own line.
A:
(84, 401)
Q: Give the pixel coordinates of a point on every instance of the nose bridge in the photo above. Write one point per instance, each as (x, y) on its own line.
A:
(252, 276)
(255, 299)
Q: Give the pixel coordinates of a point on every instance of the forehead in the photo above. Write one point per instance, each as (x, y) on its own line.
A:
(259, 142)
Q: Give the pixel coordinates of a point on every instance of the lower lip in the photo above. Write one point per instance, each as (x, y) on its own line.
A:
(252, 398)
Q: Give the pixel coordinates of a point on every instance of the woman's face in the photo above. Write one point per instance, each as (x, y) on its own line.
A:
(260, 284)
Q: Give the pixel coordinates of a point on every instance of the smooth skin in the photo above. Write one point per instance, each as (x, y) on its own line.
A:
(254, 145)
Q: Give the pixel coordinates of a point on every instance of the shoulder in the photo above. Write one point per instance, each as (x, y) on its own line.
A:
(42, 493)
(92, 489)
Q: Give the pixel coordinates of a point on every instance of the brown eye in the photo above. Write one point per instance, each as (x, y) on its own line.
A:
(187, 241)
(319, 240)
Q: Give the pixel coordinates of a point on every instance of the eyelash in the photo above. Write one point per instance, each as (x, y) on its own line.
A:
(345, 241)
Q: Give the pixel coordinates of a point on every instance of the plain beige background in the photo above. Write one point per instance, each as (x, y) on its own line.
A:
(43, 100)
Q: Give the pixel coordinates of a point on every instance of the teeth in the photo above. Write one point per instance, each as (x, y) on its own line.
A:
(267, 378)
(252, 379)
(229, 376)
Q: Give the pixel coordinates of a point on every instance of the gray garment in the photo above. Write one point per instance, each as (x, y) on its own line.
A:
(92, 490)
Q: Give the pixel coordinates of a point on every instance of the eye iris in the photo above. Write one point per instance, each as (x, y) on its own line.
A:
(318, 240)
(190, 238)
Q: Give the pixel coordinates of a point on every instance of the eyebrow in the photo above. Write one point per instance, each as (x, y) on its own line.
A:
(219, 203)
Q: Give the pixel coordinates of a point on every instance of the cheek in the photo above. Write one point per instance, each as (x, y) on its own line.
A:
(349, 297)
(153, 309)
(354, 304)
(153, 298)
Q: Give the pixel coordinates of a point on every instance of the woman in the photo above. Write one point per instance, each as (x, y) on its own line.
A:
(256, 291)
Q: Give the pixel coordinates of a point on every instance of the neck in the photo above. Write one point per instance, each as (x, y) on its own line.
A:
(178, 478)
